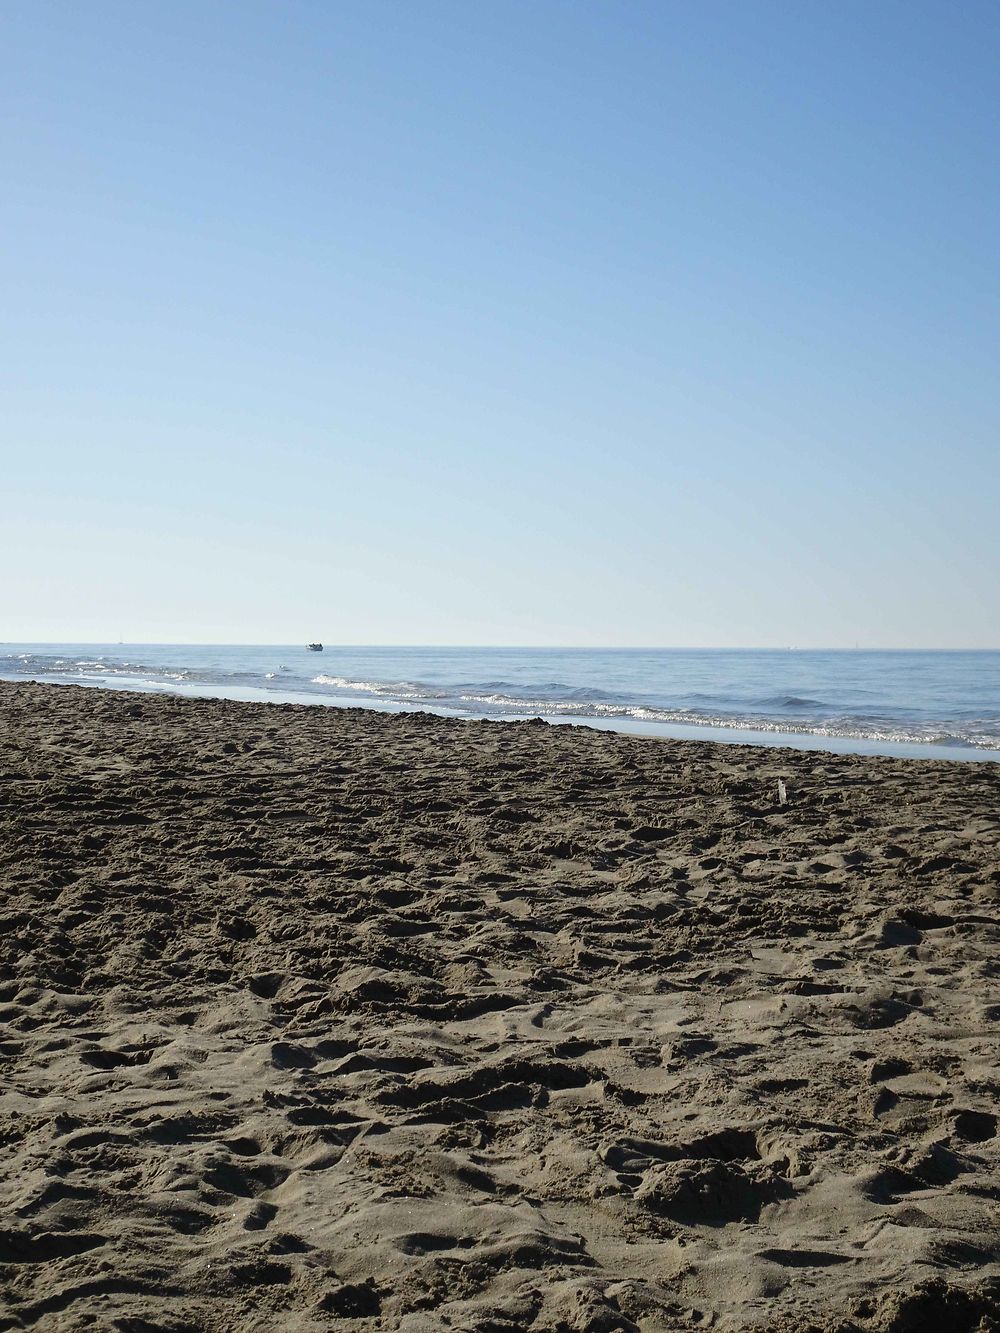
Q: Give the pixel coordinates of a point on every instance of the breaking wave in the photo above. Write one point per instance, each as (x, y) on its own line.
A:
(878, 703)
(385, 689)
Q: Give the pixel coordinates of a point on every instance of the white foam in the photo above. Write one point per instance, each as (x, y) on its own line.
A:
(399, 690)
(342, 683)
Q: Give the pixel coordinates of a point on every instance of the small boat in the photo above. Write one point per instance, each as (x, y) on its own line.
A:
(314, 647)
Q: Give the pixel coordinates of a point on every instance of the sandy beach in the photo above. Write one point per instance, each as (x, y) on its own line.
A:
(326, 1019)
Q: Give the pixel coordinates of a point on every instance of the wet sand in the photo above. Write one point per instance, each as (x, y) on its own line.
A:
(322, 1019)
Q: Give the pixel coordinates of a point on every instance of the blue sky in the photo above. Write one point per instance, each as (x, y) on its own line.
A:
(508, 322)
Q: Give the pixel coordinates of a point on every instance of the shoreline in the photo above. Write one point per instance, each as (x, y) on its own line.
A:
(333, 1019)
(724, 735)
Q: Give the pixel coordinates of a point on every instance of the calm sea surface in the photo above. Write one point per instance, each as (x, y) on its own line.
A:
(940, 704)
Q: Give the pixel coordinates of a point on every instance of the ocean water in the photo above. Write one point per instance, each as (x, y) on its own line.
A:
(940, 704)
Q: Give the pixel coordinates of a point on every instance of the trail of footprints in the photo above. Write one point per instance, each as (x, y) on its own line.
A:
(220, 1175)
(526, 1031)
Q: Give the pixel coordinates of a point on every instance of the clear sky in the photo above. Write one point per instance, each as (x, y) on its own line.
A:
(519, 321)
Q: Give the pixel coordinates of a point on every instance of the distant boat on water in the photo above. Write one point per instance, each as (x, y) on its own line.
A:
(315, 647)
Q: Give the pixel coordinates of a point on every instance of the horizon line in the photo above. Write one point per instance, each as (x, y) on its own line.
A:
(519, 647)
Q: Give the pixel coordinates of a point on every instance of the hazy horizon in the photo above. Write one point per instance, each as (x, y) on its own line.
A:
(332, 645)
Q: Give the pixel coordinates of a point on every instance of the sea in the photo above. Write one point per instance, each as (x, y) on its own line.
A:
(943, 705)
